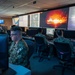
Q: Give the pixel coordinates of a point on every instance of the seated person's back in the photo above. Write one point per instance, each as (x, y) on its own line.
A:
(41, 35)
(48, 45)
(60, 38)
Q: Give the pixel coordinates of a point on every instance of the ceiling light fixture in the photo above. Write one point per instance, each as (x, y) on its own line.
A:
(34, 2)
(13, 6)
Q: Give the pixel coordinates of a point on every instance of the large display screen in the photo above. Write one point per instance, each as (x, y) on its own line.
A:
(55, 18)
(15, 21)
(35, 20)
(23, 21)
(71, 19)
(1, 21)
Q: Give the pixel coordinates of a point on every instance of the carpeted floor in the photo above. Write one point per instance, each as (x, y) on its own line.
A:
(45, 67)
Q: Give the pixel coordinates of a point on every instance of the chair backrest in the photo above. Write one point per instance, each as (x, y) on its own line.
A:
(40, 42)
(31, 46)
(63, 50)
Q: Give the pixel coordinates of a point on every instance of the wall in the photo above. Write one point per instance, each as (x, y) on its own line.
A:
(7, 22)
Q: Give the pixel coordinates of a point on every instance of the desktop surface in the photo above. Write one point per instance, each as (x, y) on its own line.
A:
(20, 70)
(9, 71)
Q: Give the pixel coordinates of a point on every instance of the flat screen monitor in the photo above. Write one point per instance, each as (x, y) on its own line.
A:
(1, 21)
(3, 51)
(35, 30)
(70, 34)
(50, 31)
(15, 21)
(56, 18)
(71, 19)
(44, 31)
(23, 21)
(23, 29)
(31, 32)
(35, 20)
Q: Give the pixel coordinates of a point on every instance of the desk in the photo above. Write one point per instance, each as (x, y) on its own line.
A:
(28, 38)
(20, 70)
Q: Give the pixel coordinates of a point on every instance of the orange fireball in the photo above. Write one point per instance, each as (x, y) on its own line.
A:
(56, 18)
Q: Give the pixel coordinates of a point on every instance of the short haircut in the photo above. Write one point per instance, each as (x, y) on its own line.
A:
(13, 25)
(39, 30)
(15, 28)
(59, 32)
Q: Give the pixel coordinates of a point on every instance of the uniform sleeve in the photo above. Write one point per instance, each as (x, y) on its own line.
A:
(10, 48)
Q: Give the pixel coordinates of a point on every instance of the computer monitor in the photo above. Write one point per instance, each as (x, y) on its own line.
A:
(56, 18)
(70, 34)
(32, 32)
(1, 21)
(44, 31)
(50, 31)
(3, 52)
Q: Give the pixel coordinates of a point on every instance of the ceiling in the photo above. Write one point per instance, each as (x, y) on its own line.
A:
(10, 8)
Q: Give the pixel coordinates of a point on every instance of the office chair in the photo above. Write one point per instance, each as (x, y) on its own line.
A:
(41, 48)
(64, 56)
(31, 46)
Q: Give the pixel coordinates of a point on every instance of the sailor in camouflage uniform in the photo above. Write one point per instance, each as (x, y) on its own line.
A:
(62, 39)
(18, 50)
(49, 49)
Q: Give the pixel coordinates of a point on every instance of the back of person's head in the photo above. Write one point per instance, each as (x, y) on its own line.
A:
(15, 28)
(39, 30)
(59, 32)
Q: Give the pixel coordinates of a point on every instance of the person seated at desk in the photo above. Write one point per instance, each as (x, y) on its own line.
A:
(61, 38)
(18, 50)
(40, 30)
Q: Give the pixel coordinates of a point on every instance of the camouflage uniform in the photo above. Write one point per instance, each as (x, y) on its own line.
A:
(41, 35)
(48, 45)
(64, 40)
(18, 53)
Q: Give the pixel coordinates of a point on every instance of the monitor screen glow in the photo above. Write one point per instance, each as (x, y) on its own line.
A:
(54, 18)
(23, 21)
(1, 21)
(71, 19)
(15, 21)
(35, 20)
(50, 31)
